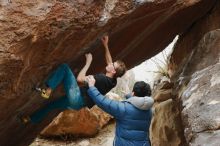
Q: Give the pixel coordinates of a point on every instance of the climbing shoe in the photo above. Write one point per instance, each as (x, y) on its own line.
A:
(43, 93)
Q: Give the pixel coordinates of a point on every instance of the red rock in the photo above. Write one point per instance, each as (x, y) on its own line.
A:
(36, 36)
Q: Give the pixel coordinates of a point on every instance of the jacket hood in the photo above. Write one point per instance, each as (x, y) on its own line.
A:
(142, 103)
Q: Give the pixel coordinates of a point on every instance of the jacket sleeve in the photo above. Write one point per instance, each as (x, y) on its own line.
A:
(113, 107)
(127, 96)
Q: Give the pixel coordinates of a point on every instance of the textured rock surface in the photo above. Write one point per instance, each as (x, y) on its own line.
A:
(81, 123)
(198, 80)
(36, 36)
(163, 95)
(104, 138)
(209, 138)
(200, 98)
(189, 40)
(85, 123)
(166, 127)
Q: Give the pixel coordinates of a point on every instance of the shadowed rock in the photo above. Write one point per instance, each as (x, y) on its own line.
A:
(36, 36)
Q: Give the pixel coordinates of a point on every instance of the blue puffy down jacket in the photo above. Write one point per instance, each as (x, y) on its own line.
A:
(133, 117)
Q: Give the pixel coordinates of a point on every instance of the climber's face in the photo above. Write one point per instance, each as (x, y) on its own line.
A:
(111, 68)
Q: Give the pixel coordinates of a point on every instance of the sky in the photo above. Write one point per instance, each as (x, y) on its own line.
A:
(144, 71)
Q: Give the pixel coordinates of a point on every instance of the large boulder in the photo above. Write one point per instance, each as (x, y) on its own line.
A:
(83, 123)
(196, 57)
(37, 36)
(194, 69)
(166, 123)
(166, 127)
(200, 97)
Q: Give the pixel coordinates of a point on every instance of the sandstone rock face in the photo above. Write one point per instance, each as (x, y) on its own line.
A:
(200, 98)
(104, 138)
(72, 123)
(185, 44)
(166, 127)
(36, 36)
(84, 123)
(163, 95)
(198, 80)
(103, 117)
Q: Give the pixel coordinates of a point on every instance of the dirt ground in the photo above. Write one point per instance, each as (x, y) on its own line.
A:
(104, 138)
